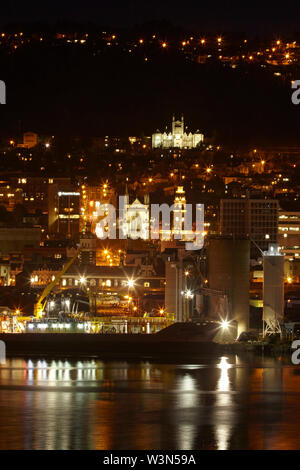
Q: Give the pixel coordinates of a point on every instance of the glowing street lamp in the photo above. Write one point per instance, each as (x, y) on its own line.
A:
(188, 294)
(224, 324)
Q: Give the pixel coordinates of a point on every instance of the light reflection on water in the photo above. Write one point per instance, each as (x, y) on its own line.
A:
(210, 403)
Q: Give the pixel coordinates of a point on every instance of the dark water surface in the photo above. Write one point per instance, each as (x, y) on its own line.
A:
(224, 402)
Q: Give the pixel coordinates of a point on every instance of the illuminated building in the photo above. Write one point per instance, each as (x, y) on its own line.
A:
(137, 220)
(33, 191)
(179, 211)
(10, 196)
(177, 231)
(44, 274)
(30, 140)
(88, 246)
(4, 272)
(289, 233)
(117, 282)
(64, 211)
(289, 243)
(90, 197)
(178, 138)
(134, 221)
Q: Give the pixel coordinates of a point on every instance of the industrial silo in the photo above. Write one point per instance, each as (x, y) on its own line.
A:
(273, 291)
(228, 280)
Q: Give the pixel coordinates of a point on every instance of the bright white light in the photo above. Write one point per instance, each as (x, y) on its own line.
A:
(224, 324)
(130, 283)
(189, 294)
(82, 280)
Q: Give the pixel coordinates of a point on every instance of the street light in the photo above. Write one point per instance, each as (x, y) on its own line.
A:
(224, 324)
(189, 294)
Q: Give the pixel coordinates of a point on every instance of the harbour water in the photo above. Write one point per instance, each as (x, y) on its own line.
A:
(225, 402)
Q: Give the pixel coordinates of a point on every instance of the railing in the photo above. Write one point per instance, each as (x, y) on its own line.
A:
(101, 325)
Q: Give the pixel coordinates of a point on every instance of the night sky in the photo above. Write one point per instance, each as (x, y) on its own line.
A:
(53, 91)
(263, 16)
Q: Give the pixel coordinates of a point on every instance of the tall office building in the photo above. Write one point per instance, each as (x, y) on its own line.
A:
(289, 234)
(253, 218)
(64, 211)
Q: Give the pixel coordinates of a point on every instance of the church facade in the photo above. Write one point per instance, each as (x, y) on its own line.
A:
(178, 138)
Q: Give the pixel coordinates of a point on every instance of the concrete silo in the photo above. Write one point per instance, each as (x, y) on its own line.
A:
(273, 290)
(228, 273)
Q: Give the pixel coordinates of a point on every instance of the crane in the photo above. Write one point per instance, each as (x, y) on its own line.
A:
(40, 304)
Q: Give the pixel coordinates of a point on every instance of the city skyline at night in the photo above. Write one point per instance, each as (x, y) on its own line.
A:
(149, 230)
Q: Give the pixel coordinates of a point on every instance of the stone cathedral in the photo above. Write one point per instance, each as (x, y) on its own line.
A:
(178, 138)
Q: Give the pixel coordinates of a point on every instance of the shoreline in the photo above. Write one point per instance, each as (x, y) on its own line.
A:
(127, 346)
